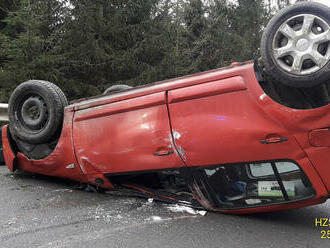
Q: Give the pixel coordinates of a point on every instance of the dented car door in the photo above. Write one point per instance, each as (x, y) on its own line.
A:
(125, 136)
(209, 129)
(240, 157)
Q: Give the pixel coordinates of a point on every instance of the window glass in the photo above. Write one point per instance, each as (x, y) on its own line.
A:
(254, 184)
(265, 169)
(283, 167)
(261, 170)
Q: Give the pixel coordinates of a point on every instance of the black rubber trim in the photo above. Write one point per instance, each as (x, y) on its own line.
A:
(280, 182)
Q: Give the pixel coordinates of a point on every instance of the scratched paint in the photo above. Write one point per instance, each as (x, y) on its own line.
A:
(176, 135)
(262, 97)
(182, 153)
(179, 150)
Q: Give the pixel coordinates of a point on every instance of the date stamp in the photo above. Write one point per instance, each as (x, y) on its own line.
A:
(324, 225)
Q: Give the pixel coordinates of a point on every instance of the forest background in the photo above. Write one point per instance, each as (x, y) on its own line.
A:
(85, 46)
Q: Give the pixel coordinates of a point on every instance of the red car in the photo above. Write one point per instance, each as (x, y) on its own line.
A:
(248, 138)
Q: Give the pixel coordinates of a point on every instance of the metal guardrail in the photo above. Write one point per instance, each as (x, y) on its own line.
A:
(3, 112)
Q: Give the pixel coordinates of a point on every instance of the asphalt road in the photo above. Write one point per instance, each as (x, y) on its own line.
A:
(39, 211)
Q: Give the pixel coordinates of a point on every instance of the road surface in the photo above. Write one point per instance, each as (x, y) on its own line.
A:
(39, 211)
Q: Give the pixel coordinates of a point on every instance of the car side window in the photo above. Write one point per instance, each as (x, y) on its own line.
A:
(253, 184)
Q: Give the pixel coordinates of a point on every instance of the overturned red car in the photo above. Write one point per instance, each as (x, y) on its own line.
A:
(251, 137)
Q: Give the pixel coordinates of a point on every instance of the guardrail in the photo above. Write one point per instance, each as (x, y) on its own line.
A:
(3, 112)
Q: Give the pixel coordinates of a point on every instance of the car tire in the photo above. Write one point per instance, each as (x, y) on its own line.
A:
(36, 111)
(61, 94)
(115, 88)
(295, 46)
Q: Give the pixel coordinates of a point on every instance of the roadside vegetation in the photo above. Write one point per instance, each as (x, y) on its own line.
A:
(85, 46)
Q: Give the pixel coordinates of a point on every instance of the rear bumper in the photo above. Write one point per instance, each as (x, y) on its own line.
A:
(60, 163)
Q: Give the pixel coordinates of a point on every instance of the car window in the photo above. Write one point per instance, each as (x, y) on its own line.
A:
(242, 185)
(265, 169)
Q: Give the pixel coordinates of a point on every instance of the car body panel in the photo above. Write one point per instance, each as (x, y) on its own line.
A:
(320, 137)
(300, 123)
(216, 117)
(212, 88)
(216, 131)
(62, 162)
(125, 136)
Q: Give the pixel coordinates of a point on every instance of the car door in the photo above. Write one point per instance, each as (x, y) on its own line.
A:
(219, 122)
(125, 136)
(239, 156)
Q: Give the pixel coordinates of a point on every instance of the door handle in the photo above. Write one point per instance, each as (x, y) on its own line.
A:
(163, 153)
(274, 140)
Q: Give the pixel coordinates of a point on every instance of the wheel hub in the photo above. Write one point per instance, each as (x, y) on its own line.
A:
(302, 44)
(34, 113)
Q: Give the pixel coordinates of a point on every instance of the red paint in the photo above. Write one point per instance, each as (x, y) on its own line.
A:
(216, 117)
(55, 164)
(125, 140)
(123, 106)
(208, 89)
(320, 137)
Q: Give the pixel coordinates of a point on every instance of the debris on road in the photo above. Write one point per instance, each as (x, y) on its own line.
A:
(176, 208)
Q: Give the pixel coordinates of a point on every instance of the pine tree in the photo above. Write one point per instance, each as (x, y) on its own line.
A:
(30, 42)
(218, 47)
(118, 43)
(246, 21)
(195, 36)
(85, 46)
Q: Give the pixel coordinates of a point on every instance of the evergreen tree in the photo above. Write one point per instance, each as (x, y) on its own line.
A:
(246, 21)
(30, 43)
(195, 37)
(218, 43)
(85, 46)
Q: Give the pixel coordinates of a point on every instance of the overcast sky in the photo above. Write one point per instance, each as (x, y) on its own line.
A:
(327, 2)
